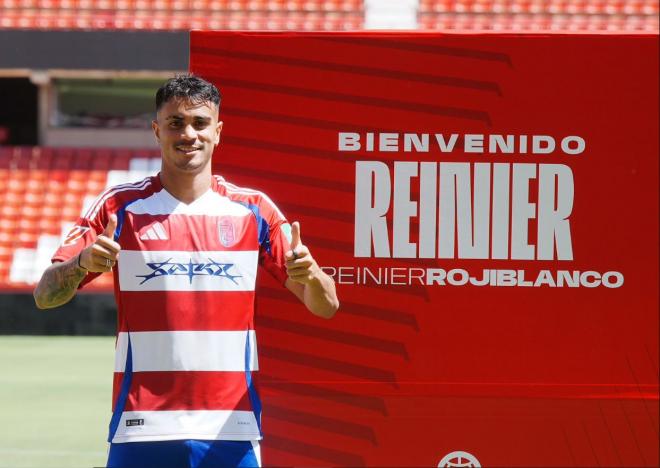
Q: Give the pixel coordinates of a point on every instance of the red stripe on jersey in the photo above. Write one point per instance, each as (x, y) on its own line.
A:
(189, 232)
(186, 311)
(171, 391)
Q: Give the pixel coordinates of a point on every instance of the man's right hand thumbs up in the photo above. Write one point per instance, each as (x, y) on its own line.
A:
(110, 228)
(102, 255)
(295, 237)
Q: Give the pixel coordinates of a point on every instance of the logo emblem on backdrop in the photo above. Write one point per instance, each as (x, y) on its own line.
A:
(459, 459)
(226, 231)
(74, 235)
(190, 269)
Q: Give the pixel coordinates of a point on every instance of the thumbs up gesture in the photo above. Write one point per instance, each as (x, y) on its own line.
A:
(101, 256)
(300, 265)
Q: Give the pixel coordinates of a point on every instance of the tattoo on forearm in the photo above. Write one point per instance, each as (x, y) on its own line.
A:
(58, 284)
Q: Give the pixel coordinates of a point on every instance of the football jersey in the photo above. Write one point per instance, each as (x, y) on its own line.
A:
(186, 348)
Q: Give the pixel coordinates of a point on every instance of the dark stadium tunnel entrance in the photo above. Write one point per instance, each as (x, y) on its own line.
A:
(18, 114)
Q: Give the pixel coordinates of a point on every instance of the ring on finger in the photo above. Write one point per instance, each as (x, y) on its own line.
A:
(108, 263)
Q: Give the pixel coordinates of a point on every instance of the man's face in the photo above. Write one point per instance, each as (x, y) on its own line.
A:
(187, 133)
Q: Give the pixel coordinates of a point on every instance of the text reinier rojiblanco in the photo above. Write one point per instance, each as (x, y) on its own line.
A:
(446, 193)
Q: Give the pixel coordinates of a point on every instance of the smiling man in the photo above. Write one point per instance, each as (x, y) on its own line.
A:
(184, 247)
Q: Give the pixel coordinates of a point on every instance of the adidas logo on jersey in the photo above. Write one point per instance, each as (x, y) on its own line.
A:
(154, 232)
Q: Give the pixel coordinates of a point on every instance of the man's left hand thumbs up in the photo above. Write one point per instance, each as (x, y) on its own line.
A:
(295, 237)
(300, 265)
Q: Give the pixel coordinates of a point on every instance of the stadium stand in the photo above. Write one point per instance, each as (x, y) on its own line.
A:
(499, 15)
(539, 15)
(44, 190)
(182, 14)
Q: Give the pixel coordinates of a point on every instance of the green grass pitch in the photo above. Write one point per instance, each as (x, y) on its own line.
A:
(55, 397)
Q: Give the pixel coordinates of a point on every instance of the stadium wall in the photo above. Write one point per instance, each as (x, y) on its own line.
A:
(94, 50)
(86, 314)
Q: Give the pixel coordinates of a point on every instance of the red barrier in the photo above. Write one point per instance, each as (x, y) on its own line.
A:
(488, 205)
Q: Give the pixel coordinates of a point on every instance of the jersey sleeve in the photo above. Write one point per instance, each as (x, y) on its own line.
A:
(277, 242)
(84, 233)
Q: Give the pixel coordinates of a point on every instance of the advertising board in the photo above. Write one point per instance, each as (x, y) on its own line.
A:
(488, 207)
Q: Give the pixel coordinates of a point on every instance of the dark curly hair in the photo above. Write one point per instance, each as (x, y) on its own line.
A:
(189, 87)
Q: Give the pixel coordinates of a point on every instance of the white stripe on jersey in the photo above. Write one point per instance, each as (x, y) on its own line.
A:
(209, 204)
(186, 351)
(247, 191)
(153, 233)
(159, 231)
(256, 448)
(101, 199)
(164, 270)
(172, 425)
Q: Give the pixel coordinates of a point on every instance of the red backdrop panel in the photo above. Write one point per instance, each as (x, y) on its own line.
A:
(540, 375)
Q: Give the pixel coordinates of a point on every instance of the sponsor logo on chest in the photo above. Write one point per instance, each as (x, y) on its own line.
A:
(189, 269)
(169, 270)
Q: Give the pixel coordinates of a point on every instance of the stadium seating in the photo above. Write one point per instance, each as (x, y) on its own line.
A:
(182, 14)
(521, 15)
(42, 193)
(539, 15)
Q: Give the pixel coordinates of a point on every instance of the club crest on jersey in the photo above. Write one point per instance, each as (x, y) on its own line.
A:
(74, 235)
(226, 231)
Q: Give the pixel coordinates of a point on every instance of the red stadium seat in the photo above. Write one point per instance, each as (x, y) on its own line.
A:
(26, 239)
(63, 158)
(70, 213)
(121, 159)
(8, 225)
(33, 198)
(42, 159)
(82, 159)
(4, 269)
(538, 15)
(101, 161)
(5, 254)
(51, 211)
(14, 186)
(10, 211)
(5, 158)
(6, 239)
(179, 14)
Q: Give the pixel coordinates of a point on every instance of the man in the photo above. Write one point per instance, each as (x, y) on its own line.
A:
(184, 247)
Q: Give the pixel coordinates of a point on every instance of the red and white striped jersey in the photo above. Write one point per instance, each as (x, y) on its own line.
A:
(185, 292)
